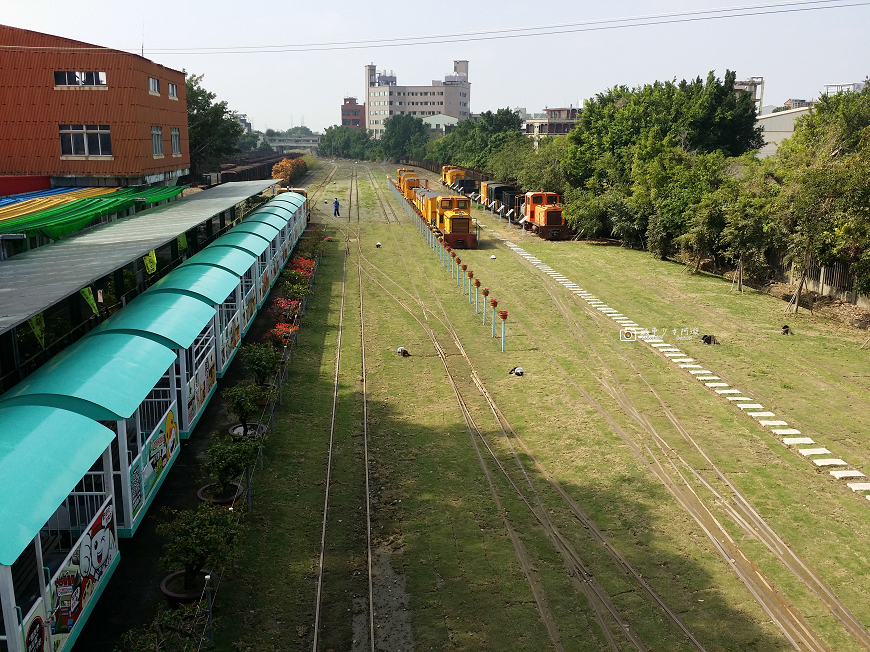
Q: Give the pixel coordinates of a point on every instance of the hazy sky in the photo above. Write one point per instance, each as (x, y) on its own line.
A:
(795, 52)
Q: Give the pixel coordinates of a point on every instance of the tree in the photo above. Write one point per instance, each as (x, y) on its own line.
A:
(211, 127)
(404, 135)
(205, 538)
(226, 461)
(347, 143)
(289, 169)
(248, 141)
(244, 401)
(264, 147)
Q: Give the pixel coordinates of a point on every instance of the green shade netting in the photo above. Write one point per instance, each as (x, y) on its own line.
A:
(64, 220)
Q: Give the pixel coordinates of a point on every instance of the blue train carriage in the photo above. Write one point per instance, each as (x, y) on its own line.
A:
(59, 540)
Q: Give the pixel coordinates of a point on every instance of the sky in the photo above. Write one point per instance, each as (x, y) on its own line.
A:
(795, 52)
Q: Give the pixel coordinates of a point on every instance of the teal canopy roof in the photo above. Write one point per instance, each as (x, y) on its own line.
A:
(44, 453)
(289, 197)
(174, 320)
(237, 261)
(210, 284)
(268, 218)
(104, 377)
(247, 241)
(261, 229)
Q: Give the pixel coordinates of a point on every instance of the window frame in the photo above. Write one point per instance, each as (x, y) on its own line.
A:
(82, 139)
(153, 85)
(171, 90)
(157, 143)
(175, 140)
(79, 77)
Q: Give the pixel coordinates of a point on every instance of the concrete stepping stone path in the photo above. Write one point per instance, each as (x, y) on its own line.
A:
(786, 431)
(830, 462)
(794, 441)
(758, 415)
(806, 452)
(850, 473)
(859, 486)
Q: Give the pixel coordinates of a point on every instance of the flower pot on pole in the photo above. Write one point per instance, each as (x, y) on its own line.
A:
(503, 314)
(494, 304)
(477, 296)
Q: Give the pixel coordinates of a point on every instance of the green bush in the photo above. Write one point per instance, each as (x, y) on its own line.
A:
(244, 401)
(226, 461)
(205, 538)
(261, 360)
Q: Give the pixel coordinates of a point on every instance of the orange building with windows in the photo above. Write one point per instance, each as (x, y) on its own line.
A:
(86, 115)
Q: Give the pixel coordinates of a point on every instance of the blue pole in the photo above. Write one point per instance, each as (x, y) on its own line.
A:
(503, 324)
(493, 321)
(477, 301)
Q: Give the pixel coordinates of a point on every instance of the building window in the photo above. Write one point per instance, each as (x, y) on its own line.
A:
(157, 141)
(85, 140)
(154, 85)
(72, 78)
(173, 90)
(175, 134)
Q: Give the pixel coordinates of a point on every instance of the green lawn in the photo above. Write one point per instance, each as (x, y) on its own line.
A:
(434, 513)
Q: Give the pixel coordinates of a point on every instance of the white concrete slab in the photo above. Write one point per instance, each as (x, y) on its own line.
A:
(672, 354)
(708, 377)
(690, 366)
(715, 384)
(750, 406)
(773, 423)
(847, 473)
(738, 398)
(794, 441)
(758, 415)
(806, 452)
(786, 431)
(726, 391)
(696, 372)
(859, 486)
(830, 462)
(682, 360)
(667, 348)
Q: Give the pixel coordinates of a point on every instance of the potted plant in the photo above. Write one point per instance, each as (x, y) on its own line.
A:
(244, 401)
(205, 538)
(262, 361)
(171, 629)
(225, 462)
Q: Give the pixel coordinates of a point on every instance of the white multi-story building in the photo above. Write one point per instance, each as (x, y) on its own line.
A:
(384, 97)
(833, 89)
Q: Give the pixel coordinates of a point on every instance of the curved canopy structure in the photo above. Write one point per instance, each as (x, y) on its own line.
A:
(235, 260)
(270, 218)
(104, 377)
(262, 229)
(247, 241)
(173, 320)
(210, 284)
(33, 482)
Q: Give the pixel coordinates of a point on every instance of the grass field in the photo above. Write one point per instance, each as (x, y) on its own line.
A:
(585, 411)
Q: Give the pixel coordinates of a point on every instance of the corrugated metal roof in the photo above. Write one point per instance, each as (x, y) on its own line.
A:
(37, 279)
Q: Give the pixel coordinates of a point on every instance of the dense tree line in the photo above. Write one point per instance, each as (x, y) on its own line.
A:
(672, 168)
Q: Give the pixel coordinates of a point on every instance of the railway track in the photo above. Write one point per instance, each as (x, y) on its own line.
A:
(738, 508)
(606, 614)
(318, 624)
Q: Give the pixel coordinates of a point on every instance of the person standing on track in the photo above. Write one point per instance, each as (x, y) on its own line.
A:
(335, 208)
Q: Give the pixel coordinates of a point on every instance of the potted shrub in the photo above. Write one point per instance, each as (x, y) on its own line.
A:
(225, 462)
(296, 290)
(205, 538)
(262, 362)
(244, 401)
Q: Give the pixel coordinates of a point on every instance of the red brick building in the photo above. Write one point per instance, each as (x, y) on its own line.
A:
(353, 115)
(86, 115)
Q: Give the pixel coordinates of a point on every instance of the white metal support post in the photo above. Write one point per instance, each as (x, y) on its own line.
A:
(14, 641)
(182, 378)
(43, 585)
(110, 488)
(124, 459)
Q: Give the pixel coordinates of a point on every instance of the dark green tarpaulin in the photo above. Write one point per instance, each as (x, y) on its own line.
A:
(66, 219)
